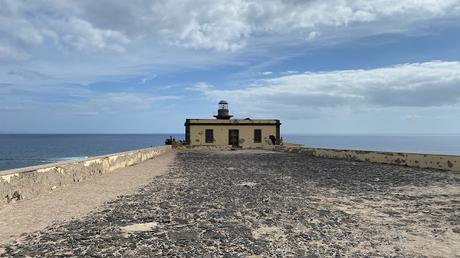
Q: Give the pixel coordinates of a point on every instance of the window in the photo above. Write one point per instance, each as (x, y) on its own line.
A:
(257, 136)
(209, 136)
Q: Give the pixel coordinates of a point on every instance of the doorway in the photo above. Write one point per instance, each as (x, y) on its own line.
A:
(233, 137)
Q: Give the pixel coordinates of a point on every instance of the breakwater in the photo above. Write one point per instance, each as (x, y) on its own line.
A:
(442, 162)
(25, 183)
(268, 204)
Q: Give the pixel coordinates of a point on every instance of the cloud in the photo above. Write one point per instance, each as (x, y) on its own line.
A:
(430, 84)
(266, 73)
(48, 44)
(148, 78)
(312, 35)
(227, 25)
(29, 74)
(117, 102)
(412, 117)
(201, 87)
(82, 35)
(32, 24)
(223, 25)
(289, 72)
(10, 54)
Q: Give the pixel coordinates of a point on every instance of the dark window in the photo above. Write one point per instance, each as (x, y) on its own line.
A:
(257, 135)
(209, 136)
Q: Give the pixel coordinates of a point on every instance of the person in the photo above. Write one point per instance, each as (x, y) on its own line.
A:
(169, 141)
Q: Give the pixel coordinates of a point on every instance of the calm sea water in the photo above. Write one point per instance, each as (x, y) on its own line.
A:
(23, 150)
(432, 144)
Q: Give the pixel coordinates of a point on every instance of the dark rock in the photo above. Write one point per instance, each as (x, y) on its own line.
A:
(300, 206)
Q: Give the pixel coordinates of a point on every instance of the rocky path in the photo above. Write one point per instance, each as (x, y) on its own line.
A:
(76, 200)
(238, 204)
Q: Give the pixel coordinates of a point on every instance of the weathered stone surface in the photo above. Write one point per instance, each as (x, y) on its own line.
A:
(433, 161)
(25, 183)
(238, 204)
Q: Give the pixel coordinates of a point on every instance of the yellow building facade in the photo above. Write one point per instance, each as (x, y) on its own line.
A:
(232, 133)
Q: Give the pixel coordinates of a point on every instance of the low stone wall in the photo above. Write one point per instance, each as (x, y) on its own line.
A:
(24, 183)
(442, 162)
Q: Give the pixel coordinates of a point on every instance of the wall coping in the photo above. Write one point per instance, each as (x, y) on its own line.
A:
(70, 162)
(300, 146)
(421, 160)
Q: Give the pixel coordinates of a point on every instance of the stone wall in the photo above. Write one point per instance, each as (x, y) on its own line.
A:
(25, 183)
(442, 162)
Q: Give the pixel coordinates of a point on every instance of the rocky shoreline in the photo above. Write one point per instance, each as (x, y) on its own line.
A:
(244, 203)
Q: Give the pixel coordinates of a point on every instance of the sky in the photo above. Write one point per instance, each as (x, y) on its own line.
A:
(321, 67)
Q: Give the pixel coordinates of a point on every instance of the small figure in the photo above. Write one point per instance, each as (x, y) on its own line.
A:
(169, 141)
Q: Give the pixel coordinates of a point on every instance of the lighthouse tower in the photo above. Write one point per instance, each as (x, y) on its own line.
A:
(222, 112)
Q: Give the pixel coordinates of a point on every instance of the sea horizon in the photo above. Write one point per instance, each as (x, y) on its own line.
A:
(28, 149)
(300, 134)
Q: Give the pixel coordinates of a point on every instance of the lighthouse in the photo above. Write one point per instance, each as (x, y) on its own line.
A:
(222, 112)
(225, 132)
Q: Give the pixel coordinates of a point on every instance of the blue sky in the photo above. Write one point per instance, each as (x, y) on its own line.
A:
(377, 67)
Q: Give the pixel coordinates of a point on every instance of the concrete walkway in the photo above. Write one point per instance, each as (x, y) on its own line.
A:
(269, 204)
(76, 200)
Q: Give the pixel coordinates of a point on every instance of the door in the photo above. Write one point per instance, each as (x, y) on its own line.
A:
(233, 138)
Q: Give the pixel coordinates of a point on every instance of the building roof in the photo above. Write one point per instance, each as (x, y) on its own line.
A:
(232, 122)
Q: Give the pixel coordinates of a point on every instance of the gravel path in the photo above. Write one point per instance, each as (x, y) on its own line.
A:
(76, 200)
(269, 204)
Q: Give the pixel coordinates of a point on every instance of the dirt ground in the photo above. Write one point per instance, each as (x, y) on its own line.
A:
(238, 204)
(76, 200)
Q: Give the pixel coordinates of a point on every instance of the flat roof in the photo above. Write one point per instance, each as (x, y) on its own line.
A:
(232, 122)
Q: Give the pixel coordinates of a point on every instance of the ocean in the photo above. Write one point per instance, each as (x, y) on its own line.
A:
(431, 144)
(22, 150)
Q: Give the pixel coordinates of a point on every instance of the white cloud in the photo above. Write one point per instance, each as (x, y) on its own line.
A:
(266, 73)
(412, 117)
(202, 87)
(83, 102)
(29, 74)
(148, 78)
(289, 72)
(225, 25)
(428, 84)
(52, 51)
(33, 23)
(312, 35)
(82, 35)
(9, 54)
(117, 102)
